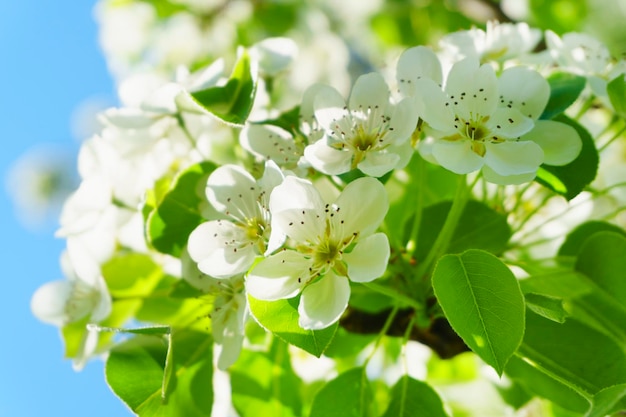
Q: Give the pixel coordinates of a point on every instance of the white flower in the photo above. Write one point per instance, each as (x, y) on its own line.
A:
(226, 247)
(229, 310)
(274, 54)
(332, 242)
(485, 122)
(83, 293)
(499, 42)
(370, 133)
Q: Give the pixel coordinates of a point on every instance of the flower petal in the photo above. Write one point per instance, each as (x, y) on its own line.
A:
(530, 100)
(509, 123)
(561, 143)
(377, 164)
(456, 156)
(323, 302)
(360, 208)
(329, 107)
(368, 260)
(403, 121)
(327, 159)
(472, 89)
(297, 210)
(513, 158)
(414, 64)
(278, 276)
(433, 106)
(270, 142)
(221, 249)
(229, 191)
(48, 302)
(369, 91)
(491, 176)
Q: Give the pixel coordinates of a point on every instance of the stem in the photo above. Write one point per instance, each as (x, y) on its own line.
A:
(393, 294)
(383, 332)
(612, 139)
(585, 106)
(445, 235)
(411, 245)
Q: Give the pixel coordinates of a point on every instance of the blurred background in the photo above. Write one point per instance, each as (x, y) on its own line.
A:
(61, 62)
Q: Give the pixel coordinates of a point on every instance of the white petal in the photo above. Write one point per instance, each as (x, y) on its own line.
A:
(48, 302)
(431, 106)
(414, 64)
(270, 142)
(561, 143)
(327, 159)
(368, 260)
(491, 176)
(509, 123)
(361, 208)
(307, 110)
(456, 156)
(473, 90)
(329, 107)
(234, 192)
(279, 276)
(377, 164)
(274, 54)
(323, 302)
(221, 249)
(297, 210)
(369, 91)
(104, 304)
(403, 121)
(513, 158)
(525, 90)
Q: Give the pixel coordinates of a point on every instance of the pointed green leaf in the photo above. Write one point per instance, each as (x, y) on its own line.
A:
(482, 299)
(569, 180)
(233, 101)
(348, 395)
(281, 318)
(264, 383)
(546, 306)
(169, 225)
(616, 90)
(135, 372)
(564, 90)
(608, 401)
(413, 398)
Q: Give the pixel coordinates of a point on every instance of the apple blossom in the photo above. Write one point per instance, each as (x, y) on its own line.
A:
(332, 242)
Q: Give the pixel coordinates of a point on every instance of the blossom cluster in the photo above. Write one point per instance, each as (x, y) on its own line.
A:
(298, 209)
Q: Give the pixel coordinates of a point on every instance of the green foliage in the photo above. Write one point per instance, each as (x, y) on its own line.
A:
(232, 102)
(608, 401)
(616, 89)
(565, 88)
(546, 306)
(558, 15)
(281, 318)
(136, 372)
(264, 384)
(569, 180)
(577, 237)
(169, 224)
(479, 227)
(413, 398)
(348, 395)
(483, 302)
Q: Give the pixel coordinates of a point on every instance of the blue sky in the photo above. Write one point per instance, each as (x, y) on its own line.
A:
(49, 63)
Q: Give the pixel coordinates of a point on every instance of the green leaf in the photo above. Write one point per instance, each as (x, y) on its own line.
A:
(479, 227)
(169, 225)
(546, 306)
(482, 299)
(413, 398)
(603, 259)
(542, 385)
(569, 180)
(233, 101)
(264, 383)
(131, 275)
(281, 318)
(148, 330)
(564, 90)
(288, 120)
(348, 395)
(616, 90)
(566, 285)
(608, 401)
(577, 237)
(135, 373)
(573, 353)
